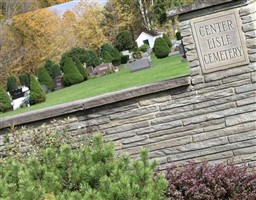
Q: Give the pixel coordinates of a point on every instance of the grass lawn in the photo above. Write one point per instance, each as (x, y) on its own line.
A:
(161, 69)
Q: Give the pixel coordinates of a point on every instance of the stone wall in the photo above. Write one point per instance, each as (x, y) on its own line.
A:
(204, 116)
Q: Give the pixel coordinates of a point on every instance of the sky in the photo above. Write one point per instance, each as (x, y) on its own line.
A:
(61, 8)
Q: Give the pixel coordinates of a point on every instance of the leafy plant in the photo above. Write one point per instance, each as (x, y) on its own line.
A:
(114, 53)
(124, 59)
(143, 48)
(80, 68)
(37, 95)
(11, 83)
(91, 58)
(167, 40)
(24, 80)
(53, 169)
(202, 181)
(56, 70)
(48, 65)
(71, 74)
(124, 41)
(5, 101)
(45, 79)
(161, 49)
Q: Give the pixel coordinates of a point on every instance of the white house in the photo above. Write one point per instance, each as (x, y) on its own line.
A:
(148, 37)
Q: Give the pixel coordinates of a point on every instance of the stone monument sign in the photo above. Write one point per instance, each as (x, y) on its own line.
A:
(219, 41)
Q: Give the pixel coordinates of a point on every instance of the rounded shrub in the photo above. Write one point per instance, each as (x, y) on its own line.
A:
(91, 58)
(143, 48)
(167, 40)
(56, 70)
(124, 41)
(11, 83)
(77, 52)
(161, 49)
(24, 79)
(80, 68)
(5, 101)
(37, 95)
(202, 181)
(71, 74)
(49, 67)
(45, 79)
(105, 56)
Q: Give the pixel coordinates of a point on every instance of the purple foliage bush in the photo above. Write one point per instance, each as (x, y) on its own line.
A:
(205, 182)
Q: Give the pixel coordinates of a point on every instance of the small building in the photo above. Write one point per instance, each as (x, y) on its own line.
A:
(148, 37)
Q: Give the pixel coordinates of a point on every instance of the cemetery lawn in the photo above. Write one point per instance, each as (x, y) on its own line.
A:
(161, 69)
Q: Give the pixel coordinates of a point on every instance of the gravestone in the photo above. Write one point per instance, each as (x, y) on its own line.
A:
(103, 69)
(90, 71)
(58, 82)
(18, 93)
(139, 64)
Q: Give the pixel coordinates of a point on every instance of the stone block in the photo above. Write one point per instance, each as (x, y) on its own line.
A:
(251, 51)
(186, 32)
(236, 78)
(242, 118)
(250, 34)
(119, 136)
(247, 10)
(246, 88)
(197, 80)
(127, 127)
(134, 139)
(192, 55)
(158, 154)
(190, 47)
(251, 43)
(188, 40)
(252, 57)
(155, 100)
(184, 25)
(249, 135)
(194, 63)
(248, 18)
(254, 77)
(195, 71)
(249, 26)
(251, 100)
(244, 151)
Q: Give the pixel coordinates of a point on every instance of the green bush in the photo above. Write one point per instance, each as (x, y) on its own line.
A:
(167, 40)
(5, 101)
(24, 80)
(45, 79)
(124, 41)
(178, 36)
(124, 59)
(49, 67)
(80, 68)
(106, 57)
(161, 49)
(89, 171)
(37, 95)
(71, 74)
(91, 58)
(114, 53)
(11, 83)
(56, 70)
(143, 48)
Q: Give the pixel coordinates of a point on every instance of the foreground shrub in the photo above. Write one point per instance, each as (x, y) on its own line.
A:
(71, 74)
(37, 95)
(201, 182)
(89, 171)
(45, 79)
(161, 49)
(124, 59)
(167, 40)
(5, 101)
(105, 56)
(11, 83)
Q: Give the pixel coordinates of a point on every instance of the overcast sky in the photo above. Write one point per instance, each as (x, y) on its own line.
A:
(61, 8)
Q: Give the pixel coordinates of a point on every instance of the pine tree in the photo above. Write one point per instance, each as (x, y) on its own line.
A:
(24, 80)
(160, 48)
(11, 83)
(80, 68)
(37, 95)
(56, 71)
(71, 74)
(45, 79)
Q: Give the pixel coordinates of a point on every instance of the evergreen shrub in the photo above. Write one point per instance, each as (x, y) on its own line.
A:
(80, 68)
(143, 48)
(37, 95)
(106, 57)
(71, 74)
(167, 40)
(202, 181)
(45, 79)
(91, 58)
(24, 80)
(11, 83)
(160, 48)
(114, 53)
(124, 59)
(124, 41)
(5, 101)
(48, 65)
(77, 52)
(56, 71)
(91, 171)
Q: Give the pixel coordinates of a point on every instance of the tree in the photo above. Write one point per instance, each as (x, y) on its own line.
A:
(5, 101)
(24, 80)
(91, 58)
(11, 83)
(56, 70)
(71, 74)
(105, 56)
(167, 40)
(37, 95)
(48, 65)
(80, 68)
(124, 41)
(160, 48)
(45, 79)
(113, 52)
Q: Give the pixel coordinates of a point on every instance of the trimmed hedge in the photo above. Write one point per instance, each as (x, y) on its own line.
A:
(71, 74)
(114, 53)
(167, 40)
(37, 95)
(5, 101)
(49, 67)
(56, 71)
(45, 79)
(124, 41)
(11, 83)
(24, 80)
(77, 52)
(124, 59)
(143, 48)
(80, 68)
(91, 58)
(106, 57)
(161, 49)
